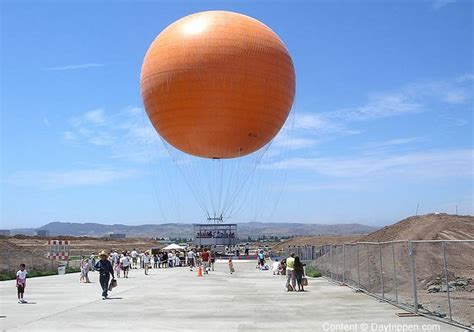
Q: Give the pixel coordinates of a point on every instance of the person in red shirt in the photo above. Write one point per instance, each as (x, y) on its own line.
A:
(205, 261)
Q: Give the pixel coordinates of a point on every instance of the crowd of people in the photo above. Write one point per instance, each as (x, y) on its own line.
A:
(118, 265)
(215, 234)
(115, 264)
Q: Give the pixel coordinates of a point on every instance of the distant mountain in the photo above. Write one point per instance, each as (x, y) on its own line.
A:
(253, 229)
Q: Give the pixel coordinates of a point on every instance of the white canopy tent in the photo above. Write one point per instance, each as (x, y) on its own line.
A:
(173, 246)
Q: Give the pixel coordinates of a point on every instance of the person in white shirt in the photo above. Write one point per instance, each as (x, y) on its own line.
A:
(170, 259)
(134, 254)
(21, 282)
(146, 262)
(125, 262)
(177, 261)
(191, 259)
(276, 267)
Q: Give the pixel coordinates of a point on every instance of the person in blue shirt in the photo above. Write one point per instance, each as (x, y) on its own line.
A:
(261, 258)
(105, 270)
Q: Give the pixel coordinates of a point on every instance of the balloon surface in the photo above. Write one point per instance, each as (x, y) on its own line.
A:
(217, 84)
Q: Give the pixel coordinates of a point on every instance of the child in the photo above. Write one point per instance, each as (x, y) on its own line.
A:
(21, 282)
(83, 274)
(118, 267)
(231, 266)
(276, 267)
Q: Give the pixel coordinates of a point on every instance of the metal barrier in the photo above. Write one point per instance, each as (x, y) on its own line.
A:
(431, 278)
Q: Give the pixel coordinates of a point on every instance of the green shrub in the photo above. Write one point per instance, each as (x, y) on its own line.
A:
(7, 276)
(72, 269)
(312, 272)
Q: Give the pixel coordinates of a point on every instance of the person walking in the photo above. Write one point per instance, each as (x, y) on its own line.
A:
(299, 273)
(247, 249)
(21, 282)
(165, 260)
(231, 266)
(276, 267)
(85, 266)
(134, 254)
(105, 270)
(205, 261)
(290, 275)
(92, 261)
(118, 268)
(170, 259)
(261, 259)
(146, 262)
(212, 259)
(191, 259)
(125, 263)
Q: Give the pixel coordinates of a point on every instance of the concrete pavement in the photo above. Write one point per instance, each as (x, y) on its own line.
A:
(177, 300)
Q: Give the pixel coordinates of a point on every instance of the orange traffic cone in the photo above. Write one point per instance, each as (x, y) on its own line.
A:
(199, 271)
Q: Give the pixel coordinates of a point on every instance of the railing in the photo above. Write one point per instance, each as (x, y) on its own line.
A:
(430, 278)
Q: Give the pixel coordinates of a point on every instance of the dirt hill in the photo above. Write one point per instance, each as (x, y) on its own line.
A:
(427, 227)
(315, 241)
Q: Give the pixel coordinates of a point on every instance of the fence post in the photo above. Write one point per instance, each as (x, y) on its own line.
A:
(343, 263)
(358, 267)
(395, 282)
(413, 274)
(350, 264)
(9, 261)
(447, 281)
(32, 260)
(368, 268)
(332, 260)
(381, 271)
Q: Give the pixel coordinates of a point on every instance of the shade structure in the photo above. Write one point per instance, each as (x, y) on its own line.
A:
(173, 246)
(217, 84)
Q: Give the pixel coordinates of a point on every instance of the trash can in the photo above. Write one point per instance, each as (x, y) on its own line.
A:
(62, 269)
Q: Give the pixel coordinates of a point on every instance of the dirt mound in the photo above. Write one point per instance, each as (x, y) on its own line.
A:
(427, 227)
(315, 241)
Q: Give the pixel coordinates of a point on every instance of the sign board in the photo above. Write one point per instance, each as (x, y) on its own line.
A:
(58, 249)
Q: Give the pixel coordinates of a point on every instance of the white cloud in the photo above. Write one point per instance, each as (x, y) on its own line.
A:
(71, 178)
(392, 142)
(95, 116)
(464, 78)
(127, 134)
(422, 165)
(46, 122)
(438, 4)
(76, 66)
(409, 99)
(294, 143)
(69, 136)
(379, 106)
(306, 187)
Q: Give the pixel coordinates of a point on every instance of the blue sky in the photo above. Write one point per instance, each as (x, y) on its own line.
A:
(382, 118)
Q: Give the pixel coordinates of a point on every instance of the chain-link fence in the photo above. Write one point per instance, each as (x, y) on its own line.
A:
(432, 278)
(34, 259)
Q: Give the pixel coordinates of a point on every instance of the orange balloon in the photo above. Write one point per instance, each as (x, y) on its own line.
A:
(217, 84)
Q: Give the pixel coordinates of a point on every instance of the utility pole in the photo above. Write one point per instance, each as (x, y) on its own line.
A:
(417, 208)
